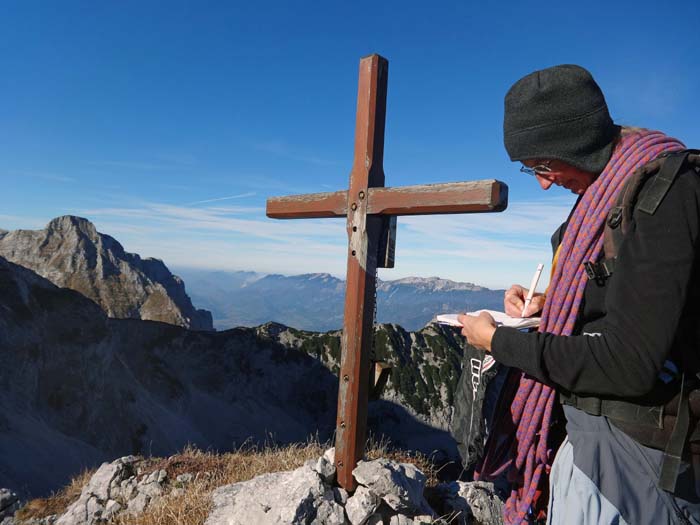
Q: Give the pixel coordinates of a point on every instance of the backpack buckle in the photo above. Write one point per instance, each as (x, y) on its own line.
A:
(615, 217)
(598, 272)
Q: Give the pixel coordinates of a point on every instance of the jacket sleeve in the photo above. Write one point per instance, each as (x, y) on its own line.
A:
(644, 305)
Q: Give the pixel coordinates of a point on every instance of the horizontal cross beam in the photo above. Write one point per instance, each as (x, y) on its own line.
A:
(424, 199)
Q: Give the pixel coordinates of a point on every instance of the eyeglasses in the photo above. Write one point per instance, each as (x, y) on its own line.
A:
(540, 169)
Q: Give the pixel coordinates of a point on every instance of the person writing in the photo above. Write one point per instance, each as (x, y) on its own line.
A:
(619, 348)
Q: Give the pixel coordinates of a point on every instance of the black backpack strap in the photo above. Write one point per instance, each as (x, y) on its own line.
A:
(643, 190)
(652, 417)
(617, 409)
(659, 185)
(671, 463)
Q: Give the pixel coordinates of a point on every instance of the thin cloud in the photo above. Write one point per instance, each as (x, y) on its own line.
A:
(489, 249)
(131, 165)
(240, 196)
(179, 218)
(523, 220)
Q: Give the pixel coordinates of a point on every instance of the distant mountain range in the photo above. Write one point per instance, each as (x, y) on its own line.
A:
(71, 253)
(316, 301)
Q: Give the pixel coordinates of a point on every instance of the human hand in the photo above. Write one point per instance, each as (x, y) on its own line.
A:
(514, 301)
(478, 329)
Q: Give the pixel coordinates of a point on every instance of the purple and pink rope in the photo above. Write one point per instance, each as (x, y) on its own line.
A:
(525, 457)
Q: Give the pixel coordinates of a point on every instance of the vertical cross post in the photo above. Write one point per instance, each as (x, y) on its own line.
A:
(364, 232)
(370, 210)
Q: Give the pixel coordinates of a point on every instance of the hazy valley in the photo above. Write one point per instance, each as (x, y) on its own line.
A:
(315, 301)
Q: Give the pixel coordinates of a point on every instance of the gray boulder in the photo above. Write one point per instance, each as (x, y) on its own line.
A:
(295, 497)
(303, 497)
(361, 505)
(471, 501)
(400, 485)
(9, 504)
(113, 486)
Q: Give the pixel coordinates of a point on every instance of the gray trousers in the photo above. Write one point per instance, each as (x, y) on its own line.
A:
(602, 476)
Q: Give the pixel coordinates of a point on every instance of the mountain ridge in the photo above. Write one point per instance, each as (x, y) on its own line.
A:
(71, 253)
(315, 301)
(80, 387)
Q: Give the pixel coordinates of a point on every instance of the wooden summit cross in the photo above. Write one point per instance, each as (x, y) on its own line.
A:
(371, 211)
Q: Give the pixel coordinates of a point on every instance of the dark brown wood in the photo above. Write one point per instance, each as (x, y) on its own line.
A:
(430, 199)
(371, 210)
(424, 199)
(309, 206)
(364, 234)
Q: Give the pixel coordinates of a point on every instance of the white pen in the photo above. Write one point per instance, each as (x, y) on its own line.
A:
(533, 285)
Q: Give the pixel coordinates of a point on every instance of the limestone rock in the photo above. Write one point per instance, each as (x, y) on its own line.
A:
(112, 485)
(9, 504)
(48, 520)
(302, 497)
(138, 503)
(325, 466)
(111, 509)
(71, 253)
(471, 501)
(295, 497)
(185, 478)
(340, 495)
(400, 485)
(400, 519)
(329, 513)
(361, 505)
(96, 494)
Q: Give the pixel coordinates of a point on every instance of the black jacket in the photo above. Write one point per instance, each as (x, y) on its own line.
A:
(647, 312)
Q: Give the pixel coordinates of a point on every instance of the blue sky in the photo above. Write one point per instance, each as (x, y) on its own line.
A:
(168, 124)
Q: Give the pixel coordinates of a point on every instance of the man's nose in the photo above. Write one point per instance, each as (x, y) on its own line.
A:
(545, 184)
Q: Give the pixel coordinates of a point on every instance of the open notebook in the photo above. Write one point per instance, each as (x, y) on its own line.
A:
(501, 318)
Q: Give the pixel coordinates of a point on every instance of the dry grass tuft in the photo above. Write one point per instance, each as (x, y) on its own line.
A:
(212, 470)
(56, 503)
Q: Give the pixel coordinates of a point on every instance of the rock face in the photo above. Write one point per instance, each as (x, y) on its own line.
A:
(469, 502)
(71, 253)
(9, 504)
(425, 368)
(79, 388)
(388, 493)
(114, 488)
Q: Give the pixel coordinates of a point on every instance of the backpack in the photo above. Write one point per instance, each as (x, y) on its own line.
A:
(660, 174)
(675, 423)
(474, 403)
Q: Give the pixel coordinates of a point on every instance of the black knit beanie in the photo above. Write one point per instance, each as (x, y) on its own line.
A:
(559, 113)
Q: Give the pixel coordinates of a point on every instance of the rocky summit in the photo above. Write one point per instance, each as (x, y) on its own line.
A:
(80, 388)
(388, 493)
(71, 253)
